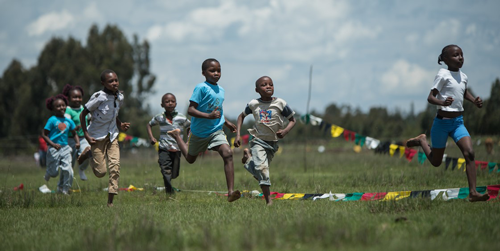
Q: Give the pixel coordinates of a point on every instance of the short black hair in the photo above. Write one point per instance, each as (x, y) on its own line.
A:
(104, 73)
(443, 51)
(68, 88)
(207, 62)
(168, 93)
(49, 101)
(259, 79)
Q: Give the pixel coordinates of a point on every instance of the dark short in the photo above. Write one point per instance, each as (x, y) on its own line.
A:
(169, 162)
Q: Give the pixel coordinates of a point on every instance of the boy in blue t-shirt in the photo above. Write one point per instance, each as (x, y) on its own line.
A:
(55, 133)
(207, 120)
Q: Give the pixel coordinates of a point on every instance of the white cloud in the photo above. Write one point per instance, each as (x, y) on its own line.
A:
(406, 78)
(52, 21)
(91, 12)
(446, 32)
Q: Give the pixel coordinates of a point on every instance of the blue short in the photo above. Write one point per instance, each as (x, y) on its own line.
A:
(444, 127)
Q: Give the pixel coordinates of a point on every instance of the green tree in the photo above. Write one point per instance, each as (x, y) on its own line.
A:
(491, 119)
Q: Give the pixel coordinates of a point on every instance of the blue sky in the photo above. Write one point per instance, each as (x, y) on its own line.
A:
(364, 53)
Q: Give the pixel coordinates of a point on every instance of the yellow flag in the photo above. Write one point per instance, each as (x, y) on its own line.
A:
(292, 196)
(121, 137)
(401, 151)
(392, 149)
(337, 131)
(396, 195)
(232, 143)
(460, 162)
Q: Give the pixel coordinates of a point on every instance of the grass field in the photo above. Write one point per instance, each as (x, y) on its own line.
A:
(199, 220)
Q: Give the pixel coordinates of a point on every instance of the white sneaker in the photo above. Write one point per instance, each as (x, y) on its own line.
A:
(82, 175)
(44, 189)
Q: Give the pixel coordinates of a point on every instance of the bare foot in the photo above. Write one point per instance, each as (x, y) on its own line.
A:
(175, 133)
(417, 141)
(110, 204)
(246, 155)
(234, 196)
(85, 155)
(478, 197)
(270, 202)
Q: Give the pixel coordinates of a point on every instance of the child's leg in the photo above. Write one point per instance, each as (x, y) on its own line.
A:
(98, 160)
(52, 163)
(113, 156)
(66, 181)
(266, 192)
(465, 145)
(435, 155)
(176, 134)
(227, 155)
(166, 163)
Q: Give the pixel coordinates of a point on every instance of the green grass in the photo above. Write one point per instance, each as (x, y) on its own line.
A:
(149, 220)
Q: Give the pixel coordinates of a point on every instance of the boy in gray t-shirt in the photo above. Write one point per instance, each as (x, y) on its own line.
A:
(169, 154)
(270, 114)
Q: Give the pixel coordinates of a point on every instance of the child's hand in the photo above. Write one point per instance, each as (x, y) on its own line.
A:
(478, 102)
(214, 114)
(281, 133)
(57, 146)
(124, 126)
(448, 101)
(77, 146)
(89, 139)
(78, 127)
(153, 141)
(237, 142)
(231, 126)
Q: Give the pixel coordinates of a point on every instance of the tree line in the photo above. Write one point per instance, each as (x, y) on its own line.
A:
(66, 61)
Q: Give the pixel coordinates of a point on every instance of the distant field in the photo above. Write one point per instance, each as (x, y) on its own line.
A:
(198, 220)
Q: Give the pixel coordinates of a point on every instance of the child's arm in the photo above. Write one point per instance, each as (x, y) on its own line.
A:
(229, 125)
(124, 126)
(237, 142)
(198, 114)
(477, 100)
(84, 128)
(283, 132)
(434, 101)
(152, 139)
(45, 136)
(77, 139)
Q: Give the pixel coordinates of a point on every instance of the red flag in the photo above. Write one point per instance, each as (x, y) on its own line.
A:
(20, 187)
(409, 153)
(493, 191)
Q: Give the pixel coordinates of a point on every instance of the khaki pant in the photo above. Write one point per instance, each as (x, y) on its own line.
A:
(102, 151)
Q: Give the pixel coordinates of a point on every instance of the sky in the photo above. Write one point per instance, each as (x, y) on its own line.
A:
(364, 53)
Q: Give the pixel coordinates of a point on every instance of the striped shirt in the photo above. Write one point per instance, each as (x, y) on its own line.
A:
(179, 121)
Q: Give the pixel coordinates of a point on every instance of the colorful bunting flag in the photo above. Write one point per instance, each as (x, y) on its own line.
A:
(392, 149)
(421, 158)
(336, 131)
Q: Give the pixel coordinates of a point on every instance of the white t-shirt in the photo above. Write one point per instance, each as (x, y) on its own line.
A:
(451, 84)
(104, 108)
(269, 117)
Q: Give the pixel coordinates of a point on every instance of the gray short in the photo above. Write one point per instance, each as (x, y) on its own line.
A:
(262, 155)
(76, 152)
(197, 145)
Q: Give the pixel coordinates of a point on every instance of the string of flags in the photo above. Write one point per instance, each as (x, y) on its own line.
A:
(133, 141)
(388, 147)
(444, 194)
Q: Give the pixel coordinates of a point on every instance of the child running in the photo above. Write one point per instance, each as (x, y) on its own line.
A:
(448, 94)
(169, 155)
(55, 134)
(74, 94)
(205, 107)
(270, 114)
(102, 133)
